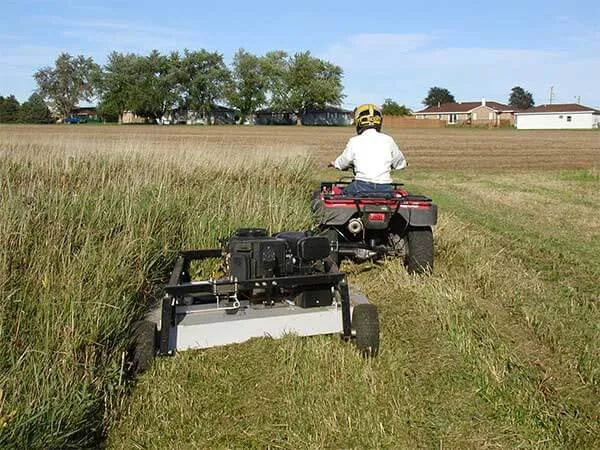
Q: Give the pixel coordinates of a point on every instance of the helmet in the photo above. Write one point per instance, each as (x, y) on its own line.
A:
(367, 116)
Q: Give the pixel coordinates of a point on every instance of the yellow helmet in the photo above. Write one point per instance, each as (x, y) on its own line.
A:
(367, 116)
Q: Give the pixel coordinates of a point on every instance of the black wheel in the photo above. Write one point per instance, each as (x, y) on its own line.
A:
(419, 258)
(144, 345)
(365, 328)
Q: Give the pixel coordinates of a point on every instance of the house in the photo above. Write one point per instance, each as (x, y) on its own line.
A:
(558, 116)
(83, 114)
(330, 115)
(217, 115)
(272, 117)
(470, 113)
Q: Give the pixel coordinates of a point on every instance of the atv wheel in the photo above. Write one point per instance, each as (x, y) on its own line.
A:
(365, 328)
(144, 344)
(419, 258)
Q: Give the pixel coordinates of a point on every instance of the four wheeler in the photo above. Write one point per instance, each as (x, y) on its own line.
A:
(270, 286)
(376, 224)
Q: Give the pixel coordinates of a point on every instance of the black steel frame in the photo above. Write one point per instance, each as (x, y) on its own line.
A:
(180, 284)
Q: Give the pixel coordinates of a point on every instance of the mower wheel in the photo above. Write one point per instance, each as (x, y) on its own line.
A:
(365, 327)
(144, 345)
(419, 258)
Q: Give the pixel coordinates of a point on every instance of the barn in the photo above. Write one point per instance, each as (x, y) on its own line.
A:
(329, 115)
(558, 116)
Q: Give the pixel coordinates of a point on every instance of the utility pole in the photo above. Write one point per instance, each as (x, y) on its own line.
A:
(551, 94)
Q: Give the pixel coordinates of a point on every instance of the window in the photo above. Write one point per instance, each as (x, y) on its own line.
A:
(451, 118)
(491, 116)
(474, 116)
(560, 117)
(568, 118)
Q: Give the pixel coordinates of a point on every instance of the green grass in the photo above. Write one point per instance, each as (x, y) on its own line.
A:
(84, 237)
(499, 348)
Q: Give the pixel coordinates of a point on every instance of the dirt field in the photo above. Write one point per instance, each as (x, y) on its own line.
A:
(437, 149)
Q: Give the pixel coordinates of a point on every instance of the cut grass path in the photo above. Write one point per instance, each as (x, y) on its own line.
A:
(498, 349)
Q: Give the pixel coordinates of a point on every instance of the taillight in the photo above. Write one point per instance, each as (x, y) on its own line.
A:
(376, 217)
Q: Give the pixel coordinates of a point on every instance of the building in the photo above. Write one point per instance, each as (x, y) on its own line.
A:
(271, 117)
(83, 114)
(217, 115)
(470, 113)
(558, 116)
(330, 115)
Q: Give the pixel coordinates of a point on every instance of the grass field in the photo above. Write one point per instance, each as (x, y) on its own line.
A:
(499, 348)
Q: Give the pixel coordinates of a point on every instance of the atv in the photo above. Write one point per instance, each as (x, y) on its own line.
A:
(374, 225)
(268, 286)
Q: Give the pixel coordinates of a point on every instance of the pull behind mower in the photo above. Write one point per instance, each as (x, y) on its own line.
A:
(270, 286)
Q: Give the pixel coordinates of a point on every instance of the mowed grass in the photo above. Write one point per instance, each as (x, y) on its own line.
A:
(499, 348)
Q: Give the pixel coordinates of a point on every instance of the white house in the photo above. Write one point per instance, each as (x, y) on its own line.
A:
(558, 116)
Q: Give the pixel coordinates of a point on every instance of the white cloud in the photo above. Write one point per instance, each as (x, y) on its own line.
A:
(405, 66)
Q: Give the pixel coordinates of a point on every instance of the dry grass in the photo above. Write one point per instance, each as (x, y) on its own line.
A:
(497, 349)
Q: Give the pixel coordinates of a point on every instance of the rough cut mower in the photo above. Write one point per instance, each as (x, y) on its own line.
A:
(376, 224)
(287, 283)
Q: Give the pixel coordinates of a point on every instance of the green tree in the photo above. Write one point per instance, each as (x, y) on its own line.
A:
(312, 84)
(438, 96)
(520, 98)
(9, 109)
(117, 85)
(202, 79)
(276, 66)
(35, 110)
(155, 89)
(248, 89)
(71, 80)
(392, 108)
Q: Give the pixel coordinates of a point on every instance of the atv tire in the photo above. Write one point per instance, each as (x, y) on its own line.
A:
(144, 345)
(419, 258)
(365, 327)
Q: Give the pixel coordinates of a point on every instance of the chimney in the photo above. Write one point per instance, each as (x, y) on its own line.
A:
(483, 101)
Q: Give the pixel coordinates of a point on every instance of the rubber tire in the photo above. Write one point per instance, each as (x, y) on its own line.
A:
(365, 327)
(420, 250)
(144, 345)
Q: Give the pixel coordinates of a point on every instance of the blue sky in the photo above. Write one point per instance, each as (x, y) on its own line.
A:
(387, 49)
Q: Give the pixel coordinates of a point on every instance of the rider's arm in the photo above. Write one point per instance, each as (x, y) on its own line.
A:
(345, 159)
(398, 160)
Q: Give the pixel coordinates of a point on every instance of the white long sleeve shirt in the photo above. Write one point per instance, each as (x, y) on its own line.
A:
(373, 155)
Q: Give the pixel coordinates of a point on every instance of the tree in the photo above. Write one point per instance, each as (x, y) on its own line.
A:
(312, 84)
(117, 85)
(276, 66)
(35, 110)
(203, 79)
(438, 96)
(155, 90)
(248, 88)
(392, 108)
(520, 98)
(71, 80)
(9, 109)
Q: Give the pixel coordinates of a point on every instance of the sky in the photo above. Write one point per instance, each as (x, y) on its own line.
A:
(387, 49)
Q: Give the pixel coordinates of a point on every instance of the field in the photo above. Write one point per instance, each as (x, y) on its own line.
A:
(499, 348)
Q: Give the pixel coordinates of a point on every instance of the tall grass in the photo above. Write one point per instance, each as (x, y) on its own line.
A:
(86, 230)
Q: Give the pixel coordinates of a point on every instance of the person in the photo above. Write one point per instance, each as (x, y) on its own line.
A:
(371, 153)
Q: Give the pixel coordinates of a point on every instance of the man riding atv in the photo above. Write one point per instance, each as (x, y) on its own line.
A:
(372, 154)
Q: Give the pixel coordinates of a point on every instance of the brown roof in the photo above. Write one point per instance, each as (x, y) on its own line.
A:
(463, 107)
(558, 108)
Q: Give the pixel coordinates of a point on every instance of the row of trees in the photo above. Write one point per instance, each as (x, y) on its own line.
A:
(33, 110)
(519, 98)
(152, 85)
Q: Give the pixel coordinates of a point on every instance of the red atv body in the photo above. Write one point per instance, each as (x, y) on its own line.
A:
(377, 224)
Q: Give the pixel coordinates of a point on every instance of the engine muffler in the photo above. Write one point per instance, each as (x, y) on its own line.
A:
(355, 226)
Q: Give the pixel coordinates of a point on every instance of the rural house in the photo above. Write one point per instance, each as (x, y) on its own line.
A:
(85, 114)
(217, 115)
(330, 115)
(470, 113)
(271, 117)
(558, 116)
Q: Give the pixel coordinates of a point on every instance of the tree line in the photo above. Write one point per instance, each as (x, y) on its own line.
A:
(152, 85)
(33, 110)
